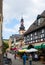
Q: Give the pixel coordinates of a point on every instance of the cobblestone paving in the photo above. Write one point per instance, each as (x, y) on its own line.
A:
(18, 61)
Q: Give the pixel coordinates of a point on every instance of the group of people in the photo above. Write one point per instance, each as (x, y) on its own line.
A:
(24, 57)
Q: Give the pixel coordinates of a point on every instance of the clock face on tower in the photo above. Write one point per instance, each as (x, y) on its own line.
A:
(21, 32)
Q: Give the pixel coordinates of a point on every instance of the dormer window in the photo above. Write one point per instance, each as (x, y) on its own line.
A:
(38, 21)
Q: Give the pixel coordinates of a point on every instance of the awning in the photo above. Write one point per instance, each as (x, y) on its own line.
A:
(37, 47)
(31, 50)
(15, 49)
(23, 50)
(25, 47)
(40, 46)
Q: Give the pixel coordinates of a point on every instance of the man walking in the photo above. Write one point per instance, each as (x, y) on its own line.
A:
(24, 59)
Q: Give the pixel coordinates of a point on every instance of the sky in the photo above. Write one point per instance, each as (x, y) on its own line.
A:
(14, 10)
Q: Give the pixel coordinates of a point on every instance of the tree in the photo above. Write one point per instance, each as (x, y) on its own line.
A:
(30, 46)
(5, 46)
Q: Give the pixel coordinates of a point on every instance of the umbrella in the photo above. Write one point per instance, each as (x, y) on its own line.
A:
(15, 49)
(32, 50)
(22, 50)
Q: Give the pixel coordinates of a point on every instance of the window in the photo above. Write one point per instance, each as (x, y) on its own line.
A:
(35, 33)
(41, 39)
(36, 41)
(35, 37)
(28, 36)
(38, 21)
(31, 38)
(42, 35)
(27, 39)
(42, 30)
(41, 19)
(31, 35)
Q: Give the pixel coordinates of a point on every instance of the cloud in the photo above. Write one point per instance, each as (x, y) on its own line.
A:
(28, 9)
(7, 32)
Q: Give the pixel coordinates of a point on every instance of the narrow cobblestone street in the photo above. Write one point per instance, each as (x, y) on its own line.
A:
(18, 61)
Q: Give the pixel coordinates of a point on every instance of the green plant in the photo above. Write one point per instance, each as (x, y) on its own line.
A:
(5, 46)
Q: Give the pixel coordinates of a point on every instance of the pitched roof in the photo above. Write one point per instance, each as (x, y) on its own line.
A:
(34, 26)
(43, 13)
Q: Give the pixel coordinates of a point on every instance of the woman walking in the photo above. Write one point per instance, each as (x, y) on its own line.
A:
(30, 59)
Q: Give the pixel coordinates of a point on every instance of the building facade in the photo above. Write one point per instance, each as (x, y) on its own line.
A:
(36, 33)
(1, 20)
(13, 41)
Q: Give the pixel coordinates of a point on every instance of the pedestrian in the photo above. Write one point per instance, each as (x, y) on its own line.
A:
(36, 57)
(15, 55)
(30, 59)
(6, 53)
(24, 57)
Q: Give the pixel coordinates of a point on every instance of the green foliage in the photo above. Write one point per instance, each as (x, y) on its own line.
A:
(20, 54)
(5, 46)
(30, 46)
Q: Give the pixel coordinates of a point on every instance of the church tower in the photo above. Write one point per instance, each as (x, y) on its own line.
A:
(22, 28)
